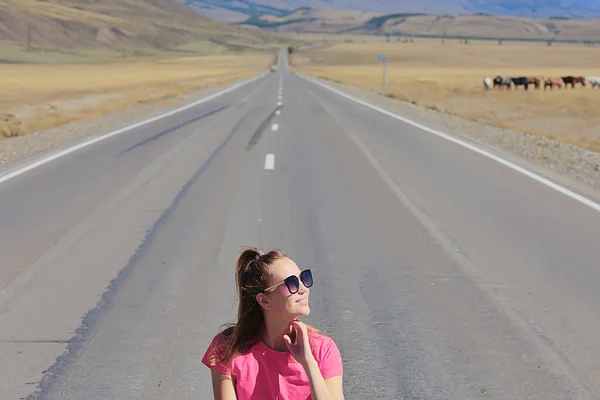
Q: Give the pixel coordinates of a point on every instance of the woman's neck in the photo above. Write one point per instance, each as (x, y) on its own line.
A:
(273, 334)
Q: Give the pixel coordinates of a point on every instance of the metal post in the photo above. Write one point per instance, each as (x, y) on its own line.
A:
(384, 76)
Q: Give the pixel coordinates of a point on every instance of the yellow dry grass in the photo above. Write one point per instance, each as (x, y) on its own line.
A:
(37, 97)
(448, 77)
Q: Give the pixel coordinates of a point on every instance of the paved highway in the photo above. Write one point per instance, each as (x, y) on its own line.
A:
(440, 273)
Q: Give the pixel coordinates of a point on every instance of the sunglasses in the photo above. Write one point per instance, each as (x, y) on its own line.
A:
(293, 283)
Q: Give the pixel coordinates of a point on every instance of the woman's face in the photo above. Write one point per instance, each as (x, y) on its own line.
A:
(281, 301)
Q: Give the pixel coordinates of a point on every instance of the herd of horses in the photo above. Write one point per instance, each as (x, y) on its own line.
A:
(539, 81)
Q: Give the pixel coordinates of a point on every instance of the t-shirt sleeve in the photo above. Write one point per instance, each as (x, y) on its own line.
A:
(330, 359)
(211, 356)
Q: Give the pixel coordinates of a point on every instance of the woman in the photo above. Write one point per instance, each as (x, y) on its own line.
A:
(269, 353)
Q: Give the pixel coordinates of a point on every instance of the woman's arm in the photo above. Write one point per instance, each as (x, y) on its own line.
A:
(323, 389)
(222, 386)
(336, 388)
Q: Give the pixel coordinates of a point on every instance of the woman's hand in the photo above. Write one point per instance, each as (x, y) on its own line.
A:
(300, 348)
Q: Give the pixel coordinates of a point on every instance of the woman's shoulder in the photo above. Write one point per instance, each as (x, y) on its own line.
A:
(320, 337)
(327, 355)
(214, 357)
(321, 341)
(219, 341)
(214, 353)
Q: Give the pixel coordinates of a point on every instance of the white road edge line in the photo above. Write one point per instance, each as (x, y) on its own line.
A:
(270, 162)
(275, 127)
(20, 171)
(561, 189)
(460, 258)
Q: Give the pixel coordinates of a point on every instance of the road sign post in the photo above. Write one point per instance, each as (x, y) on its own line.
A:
(384, 78)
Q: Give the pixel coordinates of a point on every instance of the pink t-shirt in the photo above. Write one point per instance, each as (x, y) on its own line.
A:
(264, 373)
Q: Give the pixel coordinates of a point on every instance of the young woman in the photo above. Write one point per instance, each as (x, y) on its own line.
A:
(269, 353)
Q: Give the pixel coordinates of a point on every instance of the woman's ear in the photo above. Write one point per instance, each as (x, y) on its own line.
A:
(263, 301)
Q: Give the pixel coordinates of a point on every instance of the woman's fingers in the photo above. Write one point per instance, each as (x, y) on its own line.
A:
(301, 331)
(288, 342)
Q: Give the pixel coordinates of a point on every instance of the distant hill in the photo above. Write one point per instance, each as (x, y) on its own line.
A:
(316, 20)
(160, 24)
(236, 10)
(332, 21)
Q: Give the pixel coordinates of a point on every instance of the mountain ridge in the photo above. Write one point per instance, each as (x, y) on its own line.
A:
(518, 8)
(415, 24)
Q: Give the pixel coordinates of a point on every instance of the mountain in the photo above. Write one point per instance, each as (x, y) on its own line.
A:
(157, 24)
(538, 8)
(237, 10)
(332, 21)
(318, 21)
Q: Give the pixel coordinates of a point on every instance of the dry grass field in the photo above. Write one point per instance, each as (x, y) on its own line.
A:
(66, 60)
(448, 77)
(34, 97)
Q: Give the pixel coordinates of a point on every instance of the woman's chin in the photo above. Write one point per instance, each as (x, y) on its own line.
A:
(302, 311)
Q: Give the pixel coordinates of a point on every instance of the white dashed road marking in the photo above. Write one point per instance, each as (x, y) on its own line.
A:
(270, 162)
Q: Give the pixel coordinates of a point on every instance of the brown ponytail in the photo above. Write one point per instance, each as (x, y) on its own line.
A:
(251, 274)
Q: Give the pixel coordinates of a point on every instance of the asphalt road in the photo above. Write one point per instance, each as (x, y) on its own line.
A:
(440, 273)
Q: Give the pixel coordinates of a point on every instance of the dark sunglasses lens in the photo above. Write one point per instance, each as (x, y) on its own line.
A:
(292, 284)
(306, 277)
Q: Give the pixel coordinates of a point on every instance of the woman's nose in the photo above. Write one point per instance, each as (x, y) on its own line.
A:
(303, 289)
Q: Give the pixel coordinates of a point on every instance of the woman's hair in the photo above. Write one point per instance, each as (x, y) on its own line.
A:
(251, 276)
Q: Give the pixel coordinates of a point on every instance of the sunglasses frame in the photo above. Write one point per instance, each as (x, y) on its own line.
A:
(286, 281)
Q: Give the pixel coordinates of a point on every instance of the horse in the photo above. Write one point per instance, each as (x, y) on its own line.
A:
(500, 81)
(568, 80)
(580, 79)
(594, 81)
(535, 80)
(520, 81)
(573, 80)
(487, 83)
(553, 82)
